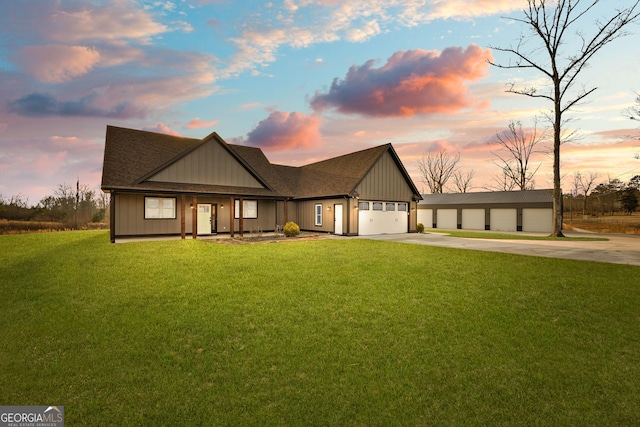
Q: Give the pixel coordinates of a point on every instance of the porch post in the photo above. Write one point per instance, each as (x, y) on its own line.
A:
(194, 217)
(183, 227)
(232, 207)
(284, 208)
(240, 217)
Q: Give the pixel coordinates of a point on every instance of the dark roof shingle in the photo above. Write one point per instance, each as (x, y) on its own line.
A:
(131, 155)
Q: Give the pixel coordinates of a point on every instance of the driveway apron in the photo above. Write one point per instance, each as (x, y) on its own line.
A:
(619, 249)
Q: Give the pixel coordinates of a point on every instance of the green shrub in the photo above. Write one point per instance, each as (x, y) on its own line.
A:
(291, 229)
(420, 228)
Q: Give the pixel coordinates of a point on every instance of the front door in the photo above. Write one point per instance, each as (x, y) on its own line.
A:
(204, 219)
(337, 219)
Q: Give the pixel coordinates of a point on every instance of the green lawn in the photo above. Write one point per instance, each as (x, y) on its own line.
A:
(327, 332)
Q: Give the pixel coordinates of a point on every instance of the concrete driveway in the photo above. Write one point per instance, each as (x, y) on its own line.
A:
(619, 249)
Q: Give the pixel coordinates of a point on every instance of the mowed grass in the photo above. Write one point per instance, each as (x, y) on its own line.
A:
(327, 332)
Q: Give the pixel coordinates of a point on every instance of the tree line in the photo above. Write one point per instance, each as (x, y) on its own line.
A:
(74, 206)
(612, 196)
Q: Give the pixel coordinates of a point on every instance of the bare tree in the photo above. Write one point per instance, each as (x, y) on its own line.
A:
(462, 180)
(437, 168)
(501, 183)
(633, 113)
(514, 156)
(586, 182)
(550, 22)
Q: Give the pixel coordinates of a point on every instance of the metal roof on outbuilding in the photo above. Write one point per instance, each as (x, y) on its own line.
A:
(490, 198)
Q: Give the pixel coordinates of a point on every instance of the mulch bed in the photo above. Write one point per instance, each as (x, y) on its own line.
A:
(249, 239)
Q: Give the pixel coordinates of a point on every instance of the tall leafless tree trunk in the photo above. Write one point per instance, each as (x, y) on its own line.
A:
(551, 22)
(437, 168)
(514, 156)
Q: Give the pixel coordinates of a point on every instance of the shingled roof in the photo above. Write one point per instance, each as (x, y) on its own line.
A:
(489, 197)
(131, 156)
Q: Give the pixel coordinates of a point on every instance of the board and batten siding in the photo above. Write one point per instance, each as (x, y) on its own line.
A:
(130, 221)
(266, 220)
(305, 211)
(209, 164)
(385, 182)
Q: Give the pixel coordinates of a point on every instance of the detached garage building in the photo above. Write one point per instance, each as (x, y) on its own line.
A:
(529, 211)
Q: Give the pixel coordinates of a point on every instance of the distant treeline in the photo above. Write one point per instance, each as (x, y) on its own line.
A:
(72, 208)
(608, 198)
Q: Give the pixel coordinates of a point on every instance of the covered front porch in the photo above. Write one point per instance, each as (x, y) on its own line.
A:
(194, 215)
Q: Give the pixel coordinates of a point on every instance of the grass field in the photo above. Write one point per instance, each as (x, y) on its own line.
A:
(622, 224)
(325, 332)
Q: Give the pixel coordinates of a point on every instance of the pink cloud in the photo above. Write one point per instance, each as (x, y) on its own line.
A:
(410, 82)
(282, 130)
(102, 23)
(162, 128)
(57, 63)
(471, 8)
(197, 123)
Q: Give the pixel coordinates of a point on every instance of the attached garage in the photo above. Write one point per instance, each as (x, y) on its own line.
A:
(382, 218)
(529, 210)
(473, 219)
(538, 220)
(503, 220)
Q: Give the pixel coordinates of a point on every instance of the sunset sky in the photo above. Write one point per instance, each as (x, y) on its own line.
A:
(304, 80)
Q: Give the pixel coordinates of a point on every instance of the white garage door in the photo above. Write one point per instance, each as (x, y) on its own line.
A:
(382, 218)
(447, 218)
(537, 220)
(473, 219)
(503, 220)
(425, 217)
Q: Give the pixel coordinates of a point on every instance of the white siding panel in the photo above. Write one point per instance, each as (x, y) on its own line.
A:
(473, 219)
(447, 218)
(538, 220)
(504, 220)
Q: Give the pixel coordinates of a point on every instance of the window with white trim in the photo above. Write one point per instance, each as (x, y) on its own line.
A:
(391, 207)
(159, 208)
(318, 215)
(363, 206)
(377, 206)
(402, 207)
(249, 209)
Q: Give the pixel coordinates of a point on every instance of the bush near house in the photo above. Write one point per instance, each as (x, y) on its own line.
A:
(291, 229)
(420, 227)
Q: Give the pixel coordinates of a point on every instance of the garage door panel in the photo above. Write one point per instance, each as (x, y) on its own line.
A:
(473, 219)
(373, 222)
(447, 218)
(537, 220)
(504, 219)
(425, 216)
